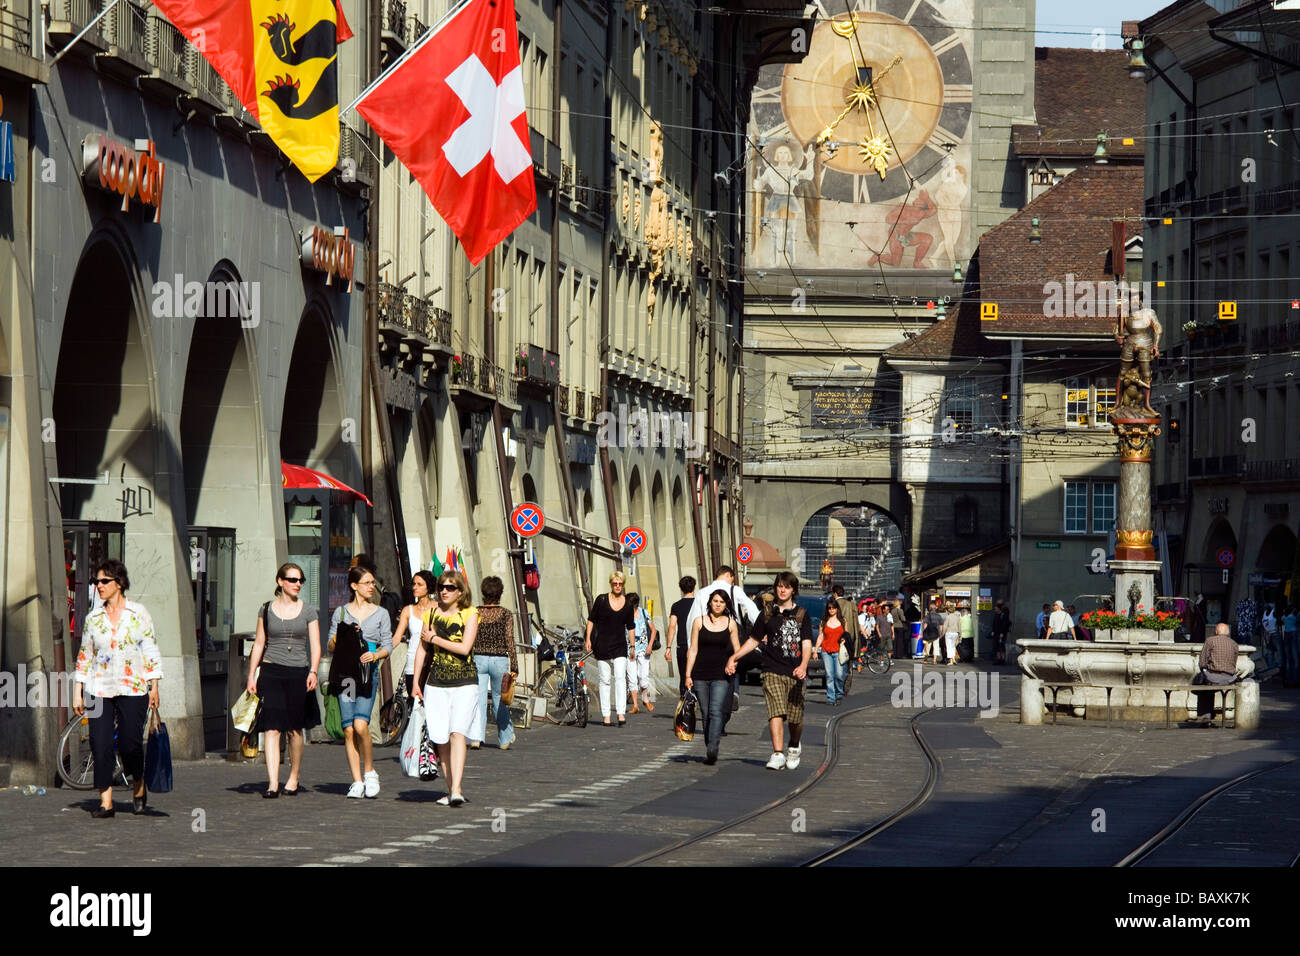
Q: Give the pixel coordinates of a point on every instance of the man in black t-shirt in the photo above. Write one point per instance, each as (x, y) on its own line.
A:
(783, 634)
(678, 614)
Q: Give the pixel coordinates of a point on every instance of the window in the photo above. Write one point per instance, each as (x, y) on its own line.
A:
(966, 517)
(959, 403)
(1076, 507)
(1077, 404)
(1103, 506)
(1105, 392)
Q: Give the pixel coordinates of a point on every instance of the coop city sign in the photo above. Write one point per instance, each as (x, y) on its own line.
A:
(132, 173)
(329, 251)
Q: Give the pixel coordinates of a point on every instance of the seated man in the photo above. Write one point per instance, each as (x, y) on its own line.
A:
(1218, 663)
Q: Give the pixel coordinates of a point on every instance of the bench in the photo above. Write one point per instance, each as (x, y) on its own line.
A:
(1169, 691)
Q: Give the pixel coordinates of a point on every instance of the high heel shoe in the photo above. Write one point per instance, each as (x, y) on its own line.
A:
(103, 813)
(138, 804)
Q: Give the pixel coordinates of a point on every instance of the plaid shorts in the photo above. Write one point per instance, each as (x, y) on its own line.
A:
(784, 697)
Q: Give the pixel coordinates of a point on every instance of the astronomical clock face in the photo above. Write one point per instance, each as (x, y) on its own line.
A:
(861, 152)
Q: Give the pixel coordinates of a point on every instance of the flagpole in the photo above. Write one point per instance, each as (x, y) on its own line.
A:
(404, 57)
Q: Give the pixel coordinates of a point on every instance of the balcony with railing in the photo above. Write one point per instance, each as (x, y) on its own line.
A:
(392, 32)
(68, 18)
(355, 160)
(1277, 335)
(416, 28)
(16, 27)
(1222, 466)
(164, 50)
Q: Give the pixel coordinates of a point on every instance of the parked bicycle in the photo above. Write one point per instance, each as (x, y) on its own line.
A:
(564, 683)
(874, 656)
(392, 727)
(76, 764)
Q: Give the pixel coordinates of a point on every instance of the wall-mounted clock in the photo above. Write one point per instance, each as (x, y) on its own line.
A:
(920, 82)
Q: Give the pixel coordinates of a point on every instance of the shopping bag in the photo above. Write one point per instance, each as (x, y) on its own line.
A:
(410, 757)
(333, 717)
(428, 759)
(684, 718)
(158, 756)
(245, 711)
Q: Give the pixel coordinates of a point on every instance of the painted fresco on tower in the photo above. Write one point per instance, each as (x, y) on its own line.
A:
(860, 155)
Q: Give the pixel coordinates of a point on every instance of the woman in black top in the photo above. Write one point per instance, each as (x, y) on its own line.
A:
(610, 624)
(713, 642)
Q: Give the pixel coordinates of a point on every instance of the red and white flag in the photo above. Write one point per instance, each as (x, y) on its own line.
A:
(453, 112)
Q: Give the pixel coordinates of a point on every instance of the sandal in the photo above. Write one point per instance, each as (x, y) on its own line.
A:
(650, 706)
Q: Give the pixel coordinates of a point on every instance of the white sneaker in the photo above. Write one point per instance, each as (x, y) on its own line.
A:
(792, 758)
(372, 784)
(444, 801)
(456, 800)
(357, 790)
(777, 761)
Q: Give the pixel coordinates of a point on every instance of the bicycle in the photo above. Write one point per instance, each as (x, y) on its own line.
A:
(76, 764)
(392, 728)
(874, 656)
(564, 683)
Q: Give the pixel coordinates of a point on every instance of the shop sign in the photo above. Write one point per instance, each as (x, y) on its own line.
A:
(1048, 545)
(132, 173)
(6, 152)
(400, 389)
(329, 251)
(1218, 506)
(956, 592)
(986, 599)
(1260, 579)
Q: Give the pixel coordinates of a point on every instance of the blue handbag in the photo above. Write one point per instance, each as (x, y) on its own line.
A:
(158, 756)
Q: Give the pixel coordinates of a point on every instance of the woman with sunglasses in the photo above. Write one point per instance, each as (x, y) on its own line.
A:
(118, 670)
(354, 711)
(611, 636)
(288, 649)
(447, 680)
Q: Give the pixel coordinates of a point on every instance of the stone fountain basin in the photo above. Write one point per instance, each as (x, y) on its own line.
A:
(1136, 669)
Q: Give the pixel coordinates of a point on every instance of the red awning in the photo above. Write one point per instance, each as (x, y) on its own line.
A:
(296, 476)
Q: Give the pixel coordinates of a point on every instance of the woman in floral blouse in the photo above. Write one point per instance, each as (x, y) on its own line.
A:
(118, 670)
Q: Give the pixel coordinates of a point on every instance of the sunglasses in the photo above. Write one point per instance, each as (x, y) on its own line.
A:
(105, 581)
(448, 587)
(293, 580)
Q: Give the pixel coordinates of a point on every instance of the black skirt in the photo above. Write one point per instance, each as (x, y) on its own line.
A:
(283, 691)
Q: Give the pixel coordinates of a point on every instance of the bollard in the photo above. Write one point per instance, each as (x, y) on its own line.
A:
(1032, 703)
(1247, 705)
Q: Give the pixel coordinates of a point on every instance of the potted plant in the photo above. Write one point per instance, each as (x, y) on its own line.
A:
(457, 369)
(521, 363)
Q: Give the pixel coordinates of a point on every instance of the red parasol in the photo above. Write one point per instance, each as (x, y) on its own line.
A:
(296, 476)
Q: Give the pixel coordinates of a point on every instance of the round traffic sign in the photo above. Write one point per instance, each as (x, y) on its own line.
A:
(1226, 558)
(633, 539)
(744, 554)
(527, 519)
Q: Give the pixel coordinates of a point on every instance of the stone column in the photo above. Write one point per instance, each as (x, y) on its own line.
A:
(1133, 517)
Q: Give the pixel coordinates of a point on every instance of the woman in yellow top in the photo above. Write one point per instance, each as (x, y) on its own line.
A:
(447, 680)
(119, 668)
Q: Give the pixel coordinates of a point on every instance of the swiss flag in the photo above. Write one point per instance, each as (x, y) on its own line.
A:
(453, 112)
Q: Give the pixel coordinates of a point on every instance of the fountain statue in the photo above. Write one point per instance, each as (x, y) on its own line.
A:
(1134, 659)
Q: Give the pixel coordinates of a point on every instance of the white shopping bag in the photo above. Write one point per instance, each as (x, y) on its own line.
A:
(410, 757)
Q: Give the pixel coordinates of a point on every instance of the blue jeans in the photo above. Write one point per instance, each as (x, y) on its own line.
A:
(834, 676)
(715, 702)
(491, 669)
(352, 709)
(1290, 658)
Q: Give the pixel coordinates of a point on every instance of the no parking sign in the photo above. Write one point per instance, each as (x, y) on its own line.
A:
(527, 519)
(744, 554)
(633, 538)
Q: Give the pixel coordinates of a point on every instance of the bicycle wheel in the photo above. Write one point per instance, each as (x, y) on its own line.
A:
(563, 709)
(76, 763)
(582, 708)
(390, 731)
(879, 663)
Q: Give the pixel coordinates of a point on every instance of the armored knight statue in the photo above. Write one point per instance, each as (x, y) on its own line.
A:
(1138, 333)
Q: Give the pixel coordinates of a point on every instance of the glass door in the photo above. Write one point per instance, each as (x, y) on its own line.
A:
(212, 576)
(85, 545)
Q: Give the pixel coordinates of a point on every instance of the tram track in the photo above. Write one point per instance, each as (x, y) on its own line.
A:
(1162, 836)
(820, 776)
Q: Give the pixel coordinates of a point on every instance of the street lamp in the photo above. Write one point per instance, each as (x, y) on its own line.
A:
(1035, 236)
(956, 272)
(1137, 63)
(1100, 156)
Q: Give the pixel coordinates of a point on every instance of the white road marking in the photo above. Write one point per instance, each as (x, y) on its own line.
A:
(348, 858)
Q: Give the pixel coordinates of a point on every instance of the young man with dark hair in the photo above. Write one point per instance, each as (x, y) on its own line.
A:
(783, 633)
(679, 634)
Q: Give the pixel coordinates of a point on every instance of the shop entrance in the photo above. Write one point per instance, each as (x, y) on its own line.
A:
(212, 575)
(85, 545)
(320, 542)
